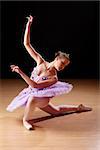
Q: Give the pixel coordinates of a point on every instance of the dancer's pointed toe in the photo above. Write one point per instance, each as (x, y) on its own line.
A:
(82, 108)
(28, 126)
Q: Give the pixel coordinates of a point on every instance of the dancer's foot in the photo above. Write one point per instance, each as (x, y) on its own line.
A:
(27, 125)
(82, 108)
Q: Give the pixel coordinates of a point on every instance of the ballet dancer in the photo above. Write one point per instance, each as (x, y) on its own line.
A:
(43, 84)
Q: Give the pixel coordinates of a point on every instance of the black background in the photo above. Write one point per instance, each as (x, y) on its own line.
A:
(71, 27)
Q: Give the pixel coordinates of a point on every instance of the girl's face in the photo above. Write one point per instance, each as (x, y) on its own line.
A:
(61, 63)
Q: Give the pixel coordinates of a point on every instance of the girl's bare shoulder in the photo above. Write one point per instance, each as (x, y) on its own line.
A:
(43, 64)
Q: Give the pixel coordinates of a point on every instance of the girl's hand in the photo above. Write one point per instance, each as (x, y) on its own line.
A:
(30, 19)
(15, 69)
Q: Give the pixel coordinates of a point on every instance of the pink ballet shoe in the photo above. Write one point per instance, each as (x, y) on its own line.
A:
(82, 108)
(27, 125)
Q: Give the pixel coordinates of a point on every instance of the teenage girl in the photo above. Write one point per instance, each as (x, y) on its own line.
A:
(43, 84)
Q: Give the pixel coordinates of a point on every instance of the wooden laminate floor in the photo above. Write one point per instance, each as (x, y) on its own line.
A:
(68, 132)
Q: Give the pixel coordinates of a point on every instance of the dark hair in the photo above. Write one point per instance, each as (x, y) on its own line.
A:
(62, 54)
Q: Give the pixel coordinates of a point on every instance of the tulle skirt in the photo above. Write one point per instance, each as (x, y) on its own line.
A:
(56, 89)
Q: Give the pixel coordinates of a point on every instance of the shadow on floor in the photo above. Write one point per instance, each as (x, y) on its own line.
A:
(52, 116)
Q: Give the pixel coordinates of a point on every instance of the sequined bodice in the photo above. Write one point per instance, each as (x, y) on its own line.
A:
(36, 77)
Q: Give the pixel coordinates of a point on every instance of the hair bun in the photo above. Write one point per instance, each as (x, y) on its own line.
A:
(57, 53)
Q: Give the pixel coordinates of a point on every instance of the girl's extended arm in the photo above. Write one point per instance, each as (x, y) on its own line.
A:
(41, 84)
(36, 56)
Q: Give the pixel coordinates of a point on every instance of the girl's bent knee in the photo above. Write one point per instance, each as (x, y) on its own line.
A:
(42, 105)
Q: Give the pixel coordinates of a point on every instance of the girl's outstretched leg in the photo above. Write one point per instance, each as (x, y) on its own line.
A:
(61, 109)
(56, 110)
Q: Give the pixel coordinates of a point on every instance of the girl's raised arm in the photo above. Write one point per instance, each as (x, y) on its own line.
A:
(36, 56)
